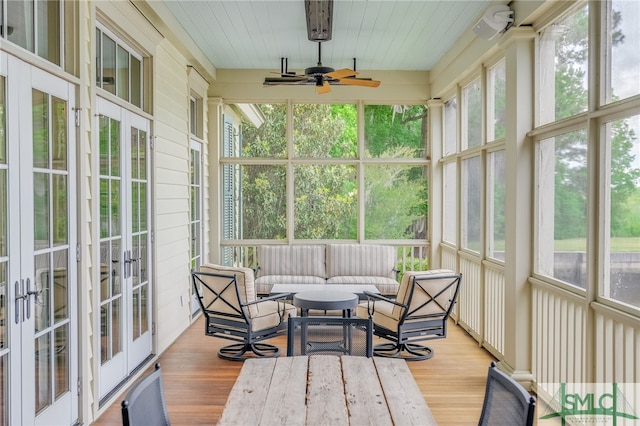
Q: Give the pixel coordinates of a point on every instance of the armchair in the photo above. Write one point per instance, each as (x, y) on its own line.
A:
(232, 311)
(420, 312)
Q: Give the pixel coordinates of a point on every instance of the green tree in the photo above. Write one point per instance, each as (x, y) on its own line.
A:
(326, 195)
(571, 149)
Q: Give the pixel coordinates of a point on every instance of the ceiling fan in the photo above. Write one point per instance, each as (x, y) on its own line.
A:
(320, 76)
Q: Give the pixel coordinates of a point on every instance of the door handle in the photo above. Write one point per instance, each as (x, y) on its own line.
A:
(19, 297)
(30, 293)
(127, 263)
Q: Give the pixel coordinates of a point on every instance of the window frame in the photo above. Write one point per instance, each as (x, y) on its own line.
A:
(290, 162)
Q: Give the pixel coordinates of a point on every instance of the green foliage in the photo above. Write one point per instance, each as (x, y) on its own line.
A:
(386, 129)
(326, 195)
(571, 149)
(395, 198)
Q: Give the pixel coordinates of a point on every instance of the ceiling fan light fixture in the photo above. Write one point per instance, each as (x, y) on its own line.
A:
(319, 14)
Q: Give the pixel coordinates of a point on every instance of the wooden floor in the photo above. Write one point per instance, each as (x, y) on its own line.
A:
(197, 382)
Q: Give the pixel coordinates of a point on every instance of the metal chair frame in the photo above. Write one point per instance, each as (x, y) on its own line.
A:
(413, 327)
(236, 326)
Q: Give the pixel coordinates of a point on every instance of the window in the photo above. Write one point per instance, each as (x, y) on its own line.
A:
(471, 203)
(333, 186)
(195, 183)
(622, 40)
(118, 69)
(471, 115)
(562, 207)
(496, 102)
(332, 133)
(395, 202)
(394, 131)
(623, 236)
(496, 204)
(450, 203)
(34, 26)
(563, 67)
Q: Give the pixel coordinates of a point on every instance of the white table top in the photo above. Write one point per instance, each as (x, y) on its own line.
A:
(349, 288)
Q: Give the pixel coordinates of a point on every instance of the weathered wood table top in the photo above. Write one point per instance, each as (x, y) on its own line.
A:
(326, 390)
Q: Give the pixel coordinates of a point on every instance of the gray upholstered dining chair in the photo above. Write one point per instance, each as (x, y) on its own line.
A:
(419, 312)
(145, 404)
(232, 311)
(506, 402)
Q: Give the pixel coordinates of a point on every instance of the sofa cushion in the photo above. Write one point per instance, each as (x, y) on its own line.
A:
(292, 260)
(360, 260)
(386, 286)
(264, 283)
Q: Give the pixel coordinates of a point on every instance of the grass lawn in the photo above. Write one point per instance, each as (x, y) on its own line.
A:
(629, 244)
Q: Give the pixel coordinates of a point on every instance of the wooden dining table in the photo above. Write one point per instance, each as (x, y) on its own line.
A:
(326, 390)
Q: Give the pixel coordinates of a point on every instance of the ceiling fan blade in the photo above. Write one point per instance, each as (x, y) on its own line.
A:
(285, 80)
(359, 82)
(338, 74)
(287, 74)
(325, 88)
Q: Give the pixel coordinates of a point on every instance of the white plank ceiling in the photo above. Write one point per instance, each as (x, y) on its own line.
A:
(381, 34)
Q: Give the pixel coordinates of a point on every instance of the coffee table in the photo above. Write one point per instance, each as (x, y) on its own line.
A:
(357, 289)
(325, 300)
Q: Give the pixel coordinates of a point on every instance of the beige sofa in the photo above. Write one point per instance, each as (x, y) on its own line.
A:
(330, 264)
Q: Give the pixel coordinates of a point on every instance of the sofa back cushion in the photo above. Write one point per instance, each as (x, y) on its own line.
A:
(292, 260)
(360, 259)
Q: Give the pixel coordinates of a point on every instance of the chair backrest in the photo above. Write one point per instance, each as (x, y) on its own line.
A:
(506, 402)
(144, 403)
(222, 290)
(330, 335)
(427, 294)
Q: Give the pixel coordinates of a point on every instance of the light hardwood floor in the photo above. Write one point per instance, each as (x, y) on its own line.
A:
(197, 382)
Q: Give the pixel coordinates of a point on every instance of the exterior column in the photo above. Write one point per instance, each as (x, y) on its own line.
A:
(435, 184)
(214, 140)
(518, 49)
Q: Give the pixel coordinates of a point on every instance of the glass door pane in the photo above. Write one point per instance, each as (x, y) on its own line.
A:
(140, 233)
(4, 291)
(110, 240)
(51, 248)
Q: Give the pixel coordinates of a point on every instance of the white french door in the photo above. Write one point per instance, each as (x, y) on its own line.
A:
(125, 250)
(38, 276)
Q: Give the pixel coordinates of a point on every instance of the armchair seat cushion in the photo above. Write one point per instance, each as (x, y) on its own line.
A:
(382, 316)
(269, 313)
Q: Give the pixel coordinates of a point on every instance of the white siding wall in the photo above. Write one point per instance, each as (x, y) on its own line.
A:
(87, 204)
(171, 196)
